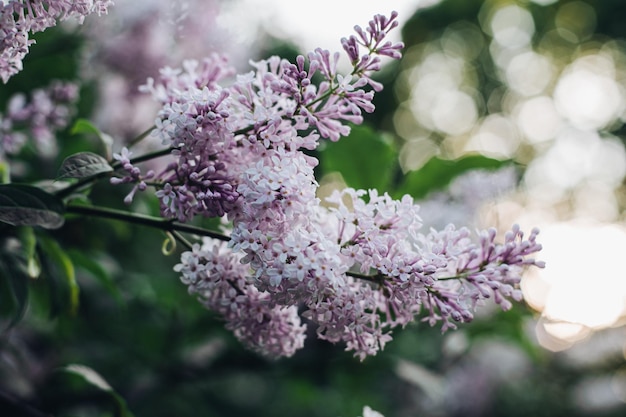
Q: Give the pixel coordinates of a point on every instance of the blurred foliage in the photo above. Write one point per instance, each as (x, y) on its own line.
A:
(100, 294)
(364, 159)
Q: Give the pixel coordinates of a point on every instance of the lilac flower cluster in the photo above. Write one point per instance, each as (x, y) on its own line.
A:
(216, 130)
(132, 174)
(37, 117)
(372, 38)
(195, 122)
(215, 274)
(18, 18)
(356, 266)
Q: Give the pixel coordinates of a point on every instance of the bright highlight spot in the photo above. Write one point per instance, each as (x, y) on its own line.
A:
(320, 25)
(538, 119)
(575, 157)
(454, 112)
(584, 284)
(496, 137)
(512, 26)
(588, 95)
(529, 73)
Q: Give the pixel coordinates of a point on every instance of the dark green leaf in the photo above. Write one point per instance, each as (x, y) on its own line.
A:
(94, 379)
(364, 159)
(58, 270)
(95, 269)
(83, 165)
(88, 375)
(13, 279)
(437, 174)
(25, 205)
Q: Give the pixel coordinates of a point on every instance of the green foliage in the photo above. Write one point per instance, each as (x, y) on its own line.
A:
(15, 272)
(364, 159)
(5, 173)
(85, 127)
(90, 264)
(437, 173)
(100, 293)
(83, 165)
(93, 379)
(25, 205)
(54, 56)
(58, 271)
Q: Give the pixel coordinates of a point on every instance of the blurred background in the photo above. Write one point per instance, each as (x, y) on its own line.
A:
(500, 112)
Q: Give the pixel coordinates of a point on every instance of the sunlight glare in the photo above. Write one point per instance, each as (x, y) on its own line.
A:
(581, 286)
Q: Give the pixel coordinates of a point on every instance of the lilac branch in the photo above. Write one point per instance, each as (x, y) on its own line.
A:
(168, 225)
(144, 220)
(145, 157)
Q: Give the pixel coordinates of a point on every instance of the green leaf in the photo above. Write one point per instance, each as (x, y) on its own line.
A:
(94, 268)
(83, 165)
(94, 379)
(29, 243)
(13, 279)
(5, 172)
(89, 375)
(437, 173)
(364, 159)
(58, 270)
(84, 126)
(25, 205)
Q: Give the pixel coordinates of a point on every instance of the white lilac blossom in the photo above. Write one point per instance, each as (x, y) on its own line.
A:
(19, 18)
(355, 268)
(37, 117)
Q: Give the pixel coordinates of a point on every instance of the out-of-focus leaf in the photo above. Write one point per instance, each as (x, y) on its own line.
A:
(437, 174)
(5, 172)
(29, 243)
(83, 165)
(89, 375)
(84, 126)
(510, 326)
(25, 205)
(94, 268)
(58, 270)
(94, 379)
(364, 159)
(13, 279)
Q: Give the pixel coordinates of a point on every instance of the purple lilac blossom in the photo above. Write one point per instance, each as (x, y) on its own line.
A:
(356, 268)
(18, 18)
(222, 283)
(133, 174)
(37, 117)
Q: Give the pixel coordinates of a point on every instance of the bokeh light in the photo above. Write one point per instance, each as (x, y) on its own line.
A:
(556, 95)
(584, 286)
